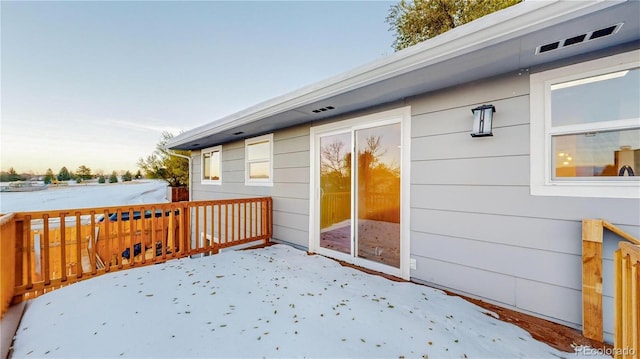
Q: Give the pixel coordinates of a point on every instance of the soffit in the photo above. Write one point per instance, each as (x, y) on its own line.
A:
(416, 72)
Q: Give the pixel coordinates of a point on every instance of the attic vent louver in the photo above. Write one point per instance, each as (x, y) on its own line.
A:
(574, 40)
(582, 38)
(603, 32)
(549, 47)
(323, 109)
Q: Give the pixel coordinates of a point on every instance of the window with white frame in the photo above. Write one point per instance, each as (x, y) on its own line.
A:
(585, 129)
(259, 161)
(212, 165)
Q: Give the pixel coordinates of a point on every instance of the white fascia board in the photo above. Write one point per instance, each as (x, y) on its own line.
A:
(526, 17)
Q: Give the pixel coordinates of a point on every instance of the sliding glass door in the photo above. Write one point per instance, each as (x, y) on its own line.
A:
(377, 225)
(335, 192)
(359, 170)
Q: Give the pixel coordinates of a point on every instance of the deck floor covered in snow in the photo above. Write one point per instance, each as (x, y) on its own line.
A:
(269, 302)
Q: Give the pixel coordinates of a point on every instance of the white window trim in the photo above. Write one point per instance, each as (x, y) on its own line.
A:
(260, 181)
(202, 153)
(540, 134)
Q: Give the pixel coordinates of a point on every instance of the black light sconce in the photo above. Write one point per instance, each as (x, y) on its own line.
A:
(482, 118)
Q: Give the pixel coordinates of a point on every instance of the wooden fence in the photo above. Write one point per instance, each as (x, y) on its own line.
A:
(45, 250)
(336, 207)
(626, 304)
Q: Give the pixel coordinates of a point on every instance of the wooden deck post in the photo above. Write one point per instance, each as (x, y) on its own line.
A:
(592, 232)
(8, 253)
(19, 259)
(626, 337)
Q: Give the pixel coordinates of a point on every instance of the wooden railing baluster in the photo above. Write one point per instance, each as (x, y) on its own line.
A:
(109, 240)
(219, 227)
(131, 239)
(120, 240)
(233, 221)
(46, 254)
(63, 246)
(226, 223)
(254, 224)
(154, 237)
(78, 246)
(91, 246)
(198, 236)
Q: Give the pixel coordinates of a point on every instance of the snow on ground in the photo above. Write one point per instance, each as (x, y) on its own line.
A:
(85, 196)
(271, 302)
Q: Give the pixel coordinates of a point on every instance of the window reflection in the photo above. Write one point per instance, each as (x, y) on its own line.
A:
(585, 143)
(606, 153)
(608, 97)
(258, 151)
(335, 185)
(378, 194)
(211, 165)
(259, 170)
(206, 166)
(259, 160)
(214, 171)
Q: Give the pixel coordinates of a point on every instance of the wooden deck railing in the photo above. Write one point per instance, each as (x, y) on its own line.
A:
(626, 304)
(7, 258)
(626, 339)
(45, 250)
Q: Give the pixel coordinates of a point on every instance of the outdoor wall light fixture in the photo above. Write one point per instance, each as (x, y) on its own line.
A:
(482, 118)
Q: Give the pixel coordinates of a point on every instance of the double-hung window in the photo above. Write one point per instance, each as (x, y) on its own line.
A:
(259, 161)
(585, 129)
(211, 165)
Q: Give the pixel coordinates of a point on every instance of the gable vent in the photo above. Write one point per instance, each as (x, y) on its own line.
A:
(579, 39)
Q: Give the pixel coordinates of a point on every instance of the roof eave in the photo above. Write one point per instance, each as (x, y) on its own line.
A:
(500, 26)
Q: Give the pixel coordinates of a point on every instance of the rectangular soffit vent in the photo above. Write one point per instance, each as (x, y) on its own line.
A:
(328, 108)
(579, 39)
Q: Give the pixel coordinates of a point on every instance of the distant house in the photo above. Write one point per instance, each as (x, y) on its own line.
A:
(377, 166)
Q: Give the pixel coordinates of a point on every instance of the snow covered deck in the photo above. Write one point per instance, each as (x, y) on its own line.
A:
(270, 302)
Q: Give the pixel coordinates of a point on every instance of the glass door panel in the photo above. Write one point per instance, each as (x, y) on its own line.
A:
(335, 192)
(377, 230)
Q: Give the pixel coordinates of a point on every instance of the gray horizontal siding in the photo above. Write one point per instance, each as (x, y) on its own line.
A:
(471, 94)
(560, 303)
(509, 113)
(560, 269)
(461, 278)
(475, 227)
(516, 201)
(526, 232)
(289, 235)
(488, 171)
(290, 190)
(507, 141)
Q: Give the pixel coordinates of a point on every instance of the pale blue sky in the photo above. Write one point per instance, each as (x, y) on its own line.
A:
(95, 83)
